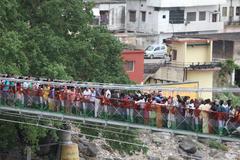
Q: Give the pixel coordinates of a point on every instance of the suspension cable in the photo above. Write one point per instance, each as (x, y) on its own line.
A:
(126, 86)
(73, 132)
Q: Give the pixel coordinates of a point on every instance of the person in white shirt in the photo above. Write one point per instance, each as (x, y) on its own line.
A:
(107, 95)
(87, 95)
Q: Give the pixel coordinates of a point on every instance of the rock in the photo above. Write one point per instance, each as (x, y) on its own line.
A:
(213, 152)
(153, 158)
(198, 155)
(188, 146)
(106, 147)
(219, 156)
(231, 156)
(173, 158)
(157, 140)
(88, 149)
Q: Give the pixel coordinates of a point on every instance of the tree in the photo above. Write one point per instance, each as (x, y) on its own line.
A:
(227, 68)
(54, 38)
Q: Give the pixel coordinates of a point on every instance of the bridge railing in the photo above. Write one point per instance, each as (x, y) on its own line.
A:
(148, 113)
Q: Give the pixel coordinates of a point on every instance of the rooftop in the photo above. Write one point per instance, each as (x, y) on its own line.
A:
(187, 40)
(107, 1)
(234, 36)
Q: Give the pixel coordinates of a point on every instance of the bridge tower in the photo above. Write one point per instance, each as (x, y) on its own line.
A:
(67, 149)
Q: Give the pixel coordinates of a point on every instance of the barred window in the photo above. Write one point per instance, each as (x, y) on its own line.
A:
(176, 16)
(202, 16)
(129, 66)
(132, 16)
(224, 11)
(191, 16)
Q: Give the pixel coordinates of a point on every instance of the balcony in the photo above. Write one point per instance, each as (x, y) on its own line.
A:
(196, 65)
(183, 3)
(198, 26)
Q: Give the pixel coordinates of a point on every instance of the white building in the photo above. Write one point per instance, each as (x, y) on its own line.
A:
(230, 12)
(165, 17)
(110, 13)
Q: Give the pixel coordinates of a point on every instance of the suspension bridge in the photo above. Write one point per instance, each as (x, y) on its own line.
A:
(28, 102)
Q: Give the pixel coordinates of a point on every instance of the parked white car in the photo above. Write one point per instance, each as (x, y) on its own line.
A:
(155, 51)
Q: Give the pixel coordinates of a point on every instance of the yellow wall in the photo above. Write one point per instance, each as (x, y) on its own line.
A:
(192, 54)
(192, 95)
(205, 79)
(181, 49)
(197, 54)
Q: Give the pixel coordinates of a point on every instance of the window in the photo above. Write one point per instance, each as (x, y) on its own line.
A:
(129, 66)
(191, 16)
(104, 17)
(224, 11)
(157, 49)
(176, 16)
(231, 11)
(174, 54)
(143, 16)
(163, 47)
(214, 17)
(156, 8)
(112, 16)
(237, 11)
(132, 16)
(202, 16)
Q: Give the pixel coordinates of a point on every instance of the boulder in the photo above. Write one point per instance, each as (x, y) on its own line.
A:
(188, 146)
(173, 158)
(88, 149)
(153, 158)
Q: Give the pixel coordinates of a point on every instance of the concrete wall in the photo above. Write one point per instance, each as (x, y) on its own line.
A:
(205, 79)
(183, 3)
(170, 74)
(236, 51)
(181, 50)
(137, 75)
(197, 54)
(116, 15)
(157, 22)
(139, 41)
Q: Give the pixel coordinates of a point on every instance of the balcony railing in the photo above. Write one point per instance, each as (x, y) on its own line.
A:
(194, 65)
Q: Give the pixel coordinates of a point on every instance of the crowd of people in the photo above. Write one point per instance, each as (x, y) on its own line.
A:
(180, 112)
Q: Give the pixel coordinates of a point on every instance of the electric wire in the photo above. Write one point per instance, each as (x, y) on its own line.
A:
(75, 133)
(62, 122)
(127, 86)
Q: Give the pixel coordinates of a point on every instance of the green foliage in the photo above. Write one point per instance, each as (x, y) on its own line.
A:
(8, 136)
(53, 38)
(111, 133)
(123, 147)
(217, 145)
(227, 67)
(226, 96)
(30, 135)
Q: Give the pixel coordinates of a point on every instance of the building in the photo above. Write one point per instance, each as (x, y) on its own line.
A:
(110, 13)
(165, 17)
(225, 46)
(134, 64)
(191, 62)
(230, 12)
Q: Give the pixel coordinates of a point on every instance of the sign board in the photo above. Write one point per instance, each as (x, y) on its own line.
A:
(69, 152)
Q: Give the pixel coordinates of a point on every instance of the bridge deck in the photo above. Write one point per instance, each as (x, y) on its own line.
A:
(44, 114)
